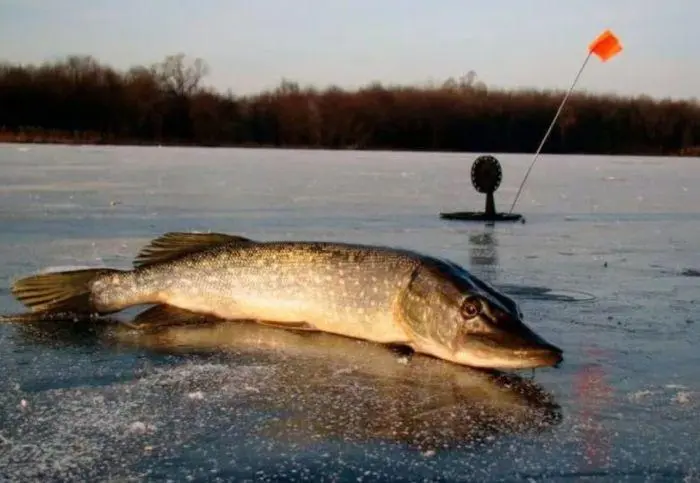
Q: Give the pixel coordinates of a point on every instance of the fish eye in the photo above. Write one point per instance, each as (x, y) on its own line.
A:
(471, 307)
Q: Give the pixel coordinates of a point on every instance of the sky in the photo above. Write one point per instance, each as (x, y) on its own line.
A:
(251, 45)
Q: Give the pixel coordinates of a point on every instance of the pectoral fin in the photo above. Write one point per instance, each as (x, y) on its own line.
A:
(401, 349)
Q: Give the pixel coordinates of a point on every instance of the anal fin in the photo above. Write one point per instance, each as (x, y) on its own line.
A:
(176, 244)
(166, 315)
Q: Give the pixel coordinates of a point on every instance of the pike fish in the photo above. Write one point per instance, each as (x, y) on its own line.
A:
(375, 293)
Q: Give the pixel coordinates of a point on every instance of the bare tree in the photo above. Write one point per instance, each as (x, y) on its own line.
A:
(178, 77)
(467, 80)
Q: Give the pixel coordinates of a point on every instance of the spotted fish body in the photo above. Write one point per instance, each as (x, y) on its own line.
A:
(379, 294)
(343, 289)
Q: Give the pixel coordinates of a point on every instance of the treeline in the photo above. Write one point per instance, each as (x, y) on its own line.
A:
(80, 100)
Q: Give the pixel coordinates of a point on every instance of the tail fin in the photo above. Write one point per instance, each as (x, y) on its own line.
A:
(60, 291)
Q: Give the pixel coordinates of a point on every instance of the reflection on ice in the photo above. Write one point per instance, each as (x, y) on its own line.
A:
(334, 388)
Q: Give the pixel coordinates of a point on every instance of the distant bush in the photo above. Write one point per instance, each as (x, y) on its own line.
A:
(80, 100)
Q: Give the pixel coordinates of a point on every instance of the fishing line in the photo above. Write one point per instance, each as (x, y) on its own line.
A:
(605, 47)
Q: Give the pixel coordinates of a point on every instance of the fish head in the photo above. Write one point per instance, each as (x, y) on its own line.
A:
(453, 315)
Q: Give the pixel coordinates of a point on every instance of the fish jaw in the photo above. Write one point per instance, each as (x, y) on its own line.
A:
(493, 356)
(510, 359)
(488, 354)
(502, 343)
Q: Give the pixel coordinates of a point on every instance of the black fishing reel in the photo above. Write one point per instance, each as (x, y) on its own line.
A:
(486, 174)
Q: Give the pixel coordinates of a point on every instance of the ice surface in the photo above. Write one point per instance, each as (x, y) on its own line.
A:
(605, 267)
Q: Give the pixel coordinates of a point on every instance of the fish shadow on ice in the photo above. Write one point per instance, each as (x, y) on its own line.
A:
(324, 387)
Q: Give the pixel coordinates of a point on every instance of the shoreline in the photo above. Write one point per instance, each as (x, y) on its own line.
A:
(94, 139)
(79, 100)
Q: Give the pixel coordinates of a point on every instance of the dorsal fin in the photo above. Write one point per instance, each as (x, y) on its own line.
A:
(176, 244)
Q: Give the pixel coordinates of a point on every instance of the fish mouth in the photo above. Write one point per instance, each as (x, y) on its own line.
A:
(490, 353)
(551, 356)
(511, 359)
(526, 348)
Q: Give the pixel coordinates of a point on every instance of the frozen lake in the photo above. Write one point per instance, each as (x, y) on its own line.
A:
(607, 267)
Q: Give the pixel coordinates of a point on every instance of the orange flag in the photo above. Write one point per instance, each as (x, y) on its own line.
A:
(605, 46)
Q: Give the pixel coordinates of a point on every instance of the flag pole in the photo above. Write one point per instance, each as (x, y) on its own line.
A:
(605, 46)
(549, 130)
